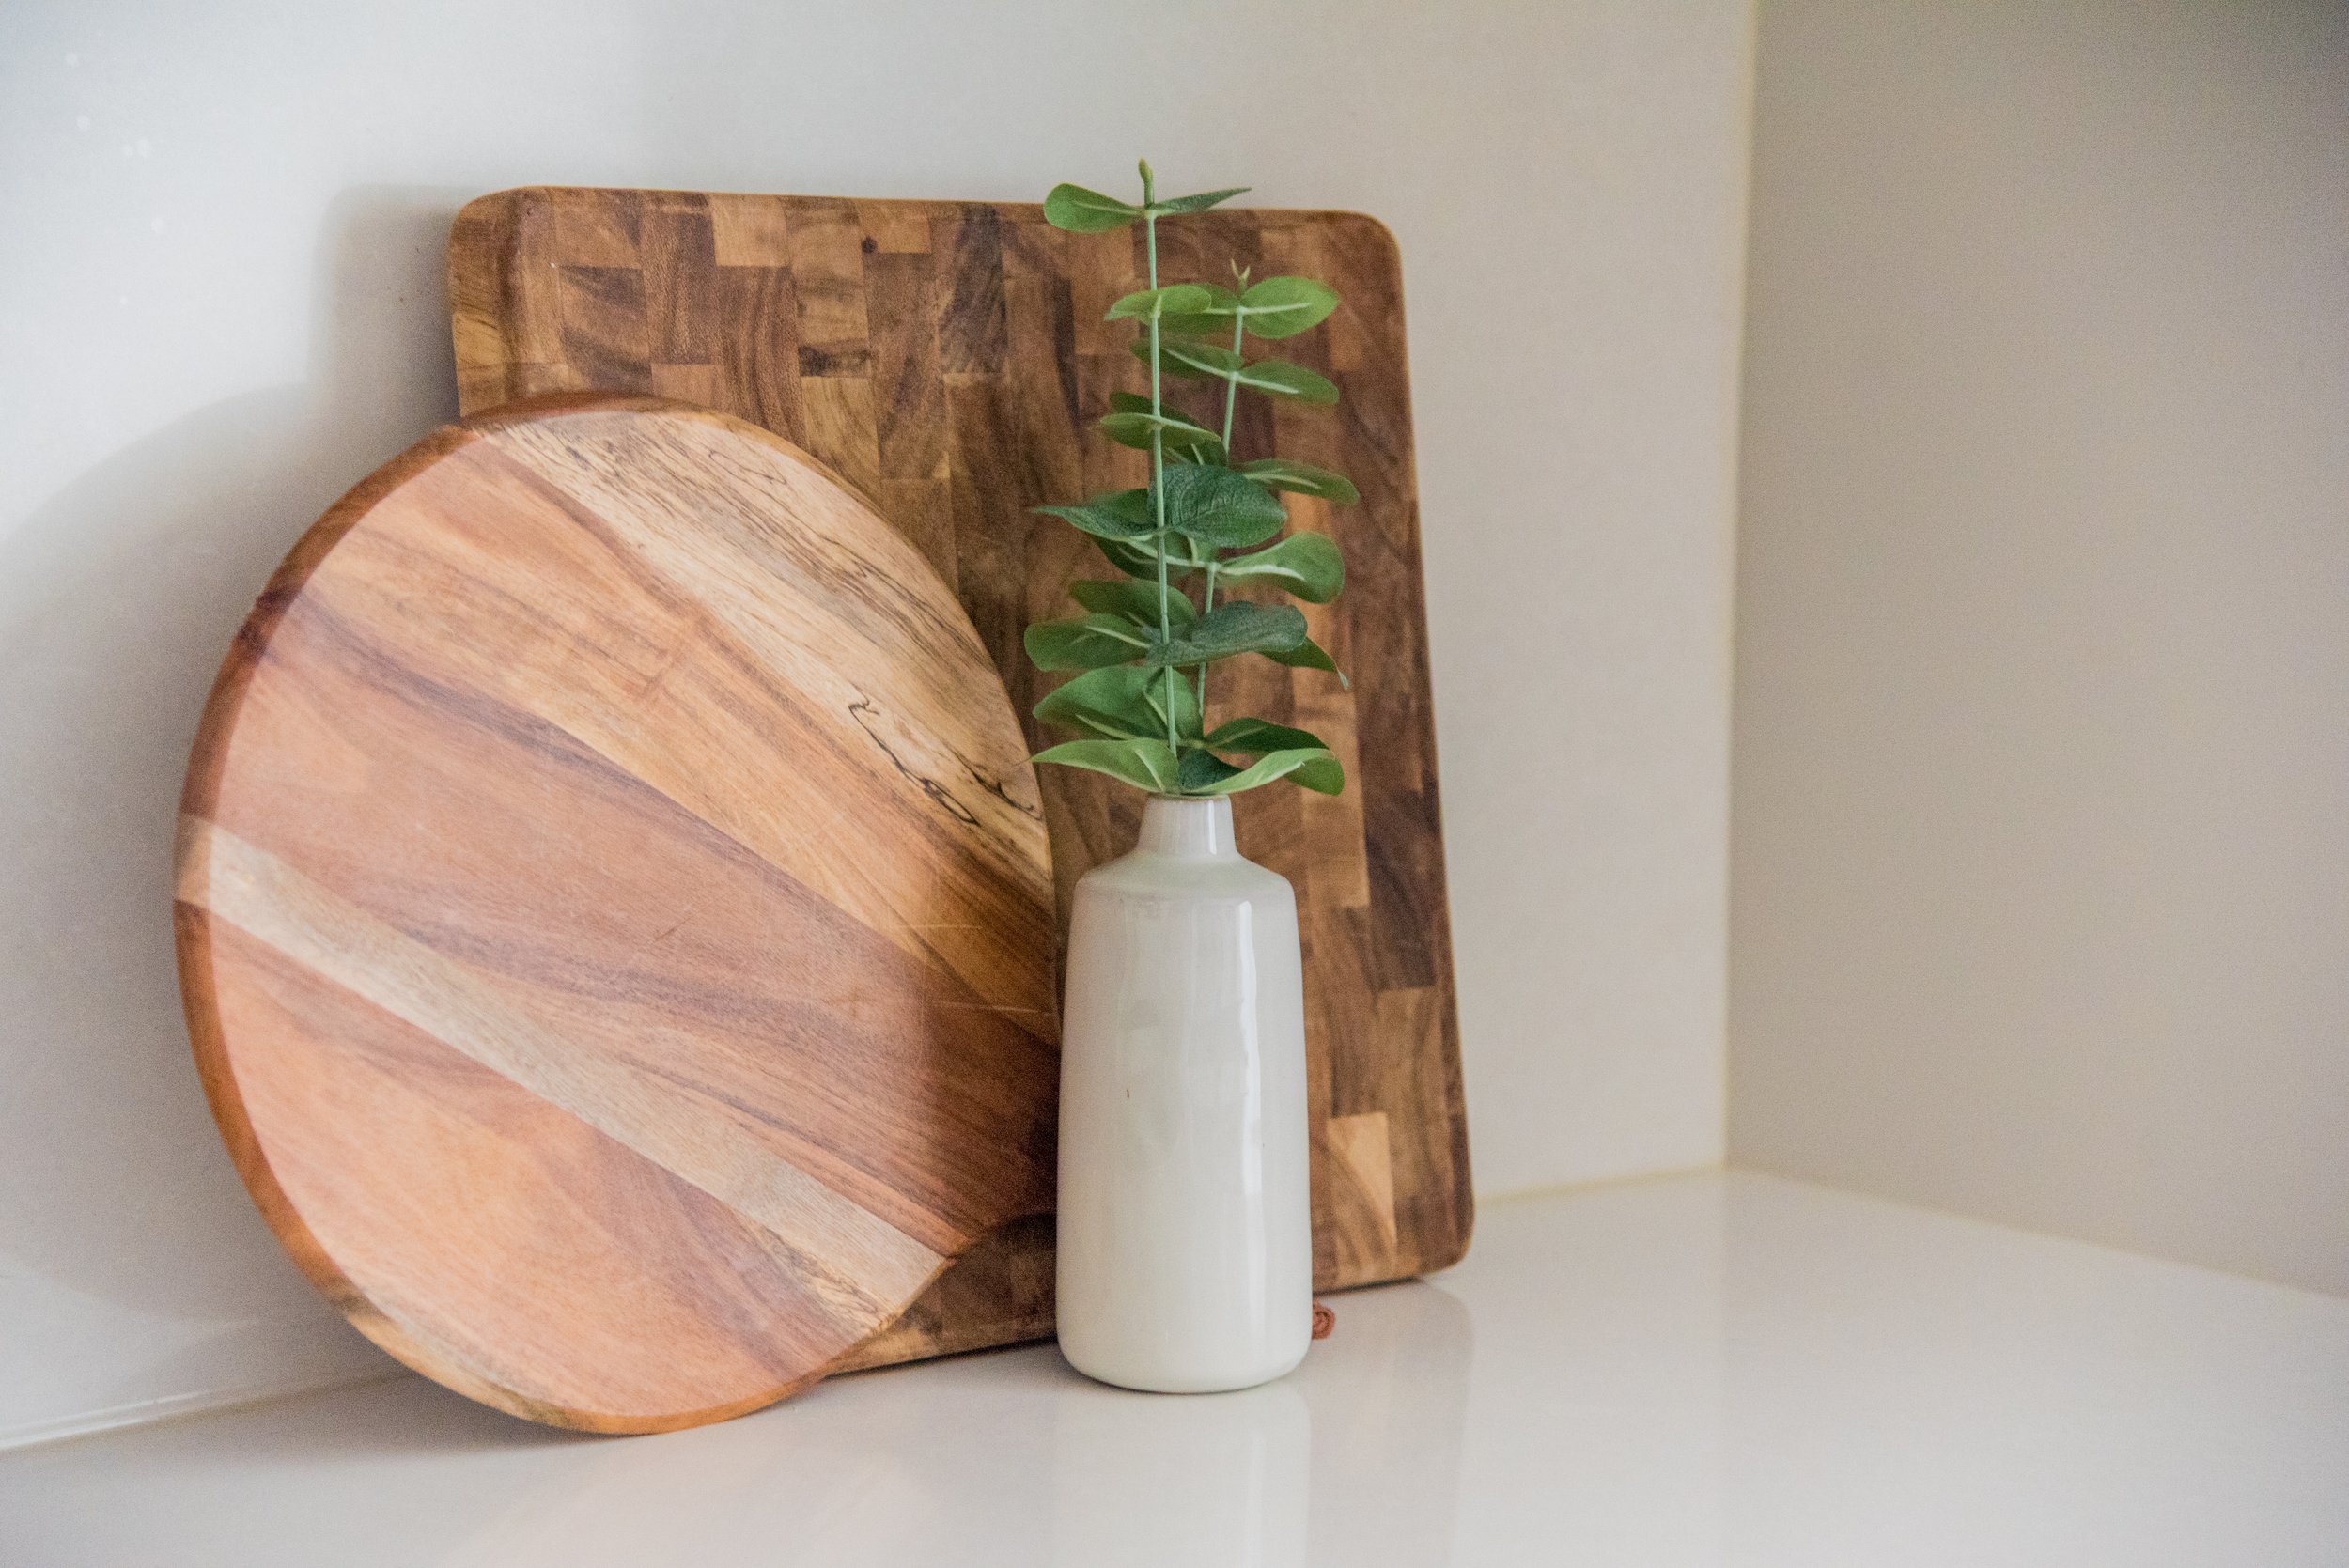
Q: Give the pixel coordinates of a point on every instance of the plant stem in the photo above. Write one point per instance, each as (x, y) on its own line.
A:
(1202, 669)
(1231, 401)
(1231, 388)
(1158, 458)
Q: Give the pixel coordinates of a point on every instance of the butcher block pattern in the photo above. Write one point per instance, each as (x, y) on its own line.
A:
(949, 358)
(616, 918)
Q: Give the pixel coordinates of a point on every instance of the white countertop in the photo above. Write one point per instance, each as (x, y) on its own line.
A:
(1699, 1370)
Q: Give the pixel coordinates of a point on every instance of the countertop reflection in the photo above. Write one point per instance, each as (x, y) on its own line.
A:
(1702, 1369)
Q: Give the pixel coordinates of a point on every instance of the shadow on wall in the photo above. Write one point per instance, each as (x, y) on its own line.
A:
(120, 598)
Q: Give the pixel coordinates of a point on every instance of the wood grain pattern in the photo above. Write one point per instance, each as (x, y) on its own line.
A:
(948, 359)
(615, 917)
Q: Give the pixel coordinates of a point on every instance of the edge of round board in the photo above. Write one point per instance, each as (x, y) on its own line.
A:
(777, 1202)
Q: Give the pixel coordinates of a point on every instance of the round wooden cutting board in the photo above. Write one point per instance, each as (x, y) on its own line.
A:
(614, 917)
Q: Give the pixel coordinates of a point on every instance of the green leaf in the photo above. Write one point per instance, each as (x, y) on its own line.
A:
(1196, 361)
(1308, 655)
(1324, 776)
(1281, 474)
(1283, 380)
(1259, 737)
(1170, 686)
(1200, 771)
(1183, 557)
(1306, 564)
(1201, 202)
(1284, 306)
(1212, 321)
(1132, 427)
(1179, 357)
(1106, 701)
(1186, 443)
(1135, 600)
(1321, 775)
(1087, 642)
(1144, 764)
(1082, 212)
(1123, 515)
(1233, 626)
(1149, 303)
(1123, 702)
(1276, 307)
(1282, 765)
(1217, 506)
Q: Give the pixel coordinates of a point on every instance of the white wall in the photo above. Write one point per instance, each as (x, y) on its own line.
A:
(2041, 869)
(220, 305)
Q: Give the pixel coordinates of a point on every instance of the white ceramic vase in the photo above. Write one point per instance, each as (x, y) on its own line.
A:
(1186, 1222)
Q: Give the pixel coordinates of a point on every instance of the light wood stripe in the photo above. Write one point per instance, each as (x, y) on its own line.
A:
(884, 682)
(270, 901)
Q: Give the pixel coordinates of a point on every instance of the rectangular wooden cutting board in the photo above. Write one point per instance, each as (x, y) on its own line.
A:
(949, 359)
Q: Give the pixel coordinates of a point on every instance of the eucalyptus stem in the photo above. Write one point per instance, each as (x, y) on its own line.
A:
(1231, 387)
(1125, 687)
(1158, 454)
(1231, 401)
(1207, 605)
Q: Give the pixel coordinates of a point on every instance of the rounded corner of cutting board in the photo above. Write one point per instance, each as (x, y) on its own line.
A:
(498, 206)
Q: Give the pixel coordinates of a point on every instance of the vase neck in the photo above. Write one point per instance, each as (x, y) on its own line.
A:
(1187, 830)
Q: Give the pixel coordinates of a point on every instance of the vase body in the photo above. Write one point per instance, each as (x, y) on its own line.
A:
(1185, 1261)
